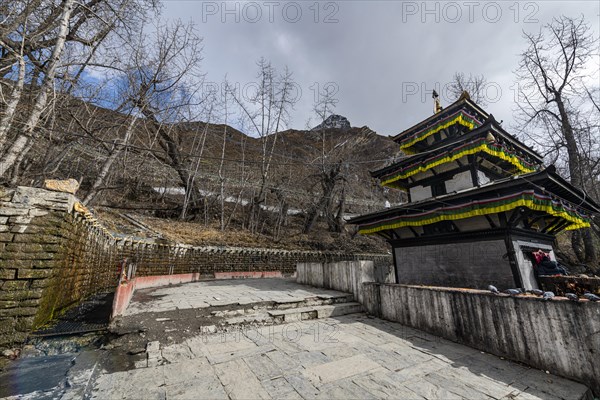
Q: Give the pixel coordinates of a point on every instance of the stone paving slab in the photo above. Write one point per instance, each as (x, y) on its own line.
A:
(215, 293)
(366, 358)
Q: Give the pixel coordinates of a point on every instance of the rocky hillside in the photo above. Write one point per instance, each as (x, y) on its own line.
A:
(334, 122)
(221, 160)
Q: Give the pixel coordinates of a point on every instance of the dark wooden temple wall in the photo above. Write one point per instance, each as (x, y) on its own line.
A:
(466, 264)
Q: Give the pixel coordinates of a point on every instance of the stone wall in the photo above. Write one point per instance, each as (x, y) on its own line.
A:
(54, 254)
(346, 276)
(559, 336)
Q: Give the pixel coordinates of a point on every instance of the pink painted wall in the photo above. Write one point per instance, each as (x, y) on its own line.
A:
(123, 295)
(143, 282)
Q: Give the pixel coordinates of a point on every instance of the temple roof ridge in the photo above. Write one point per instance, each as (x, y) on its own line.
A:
(446, 111)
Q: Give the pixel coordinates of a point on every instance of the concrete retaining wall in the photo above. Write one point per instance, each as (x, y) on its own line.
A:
(560, 336)
(54, 254)
(345, 276)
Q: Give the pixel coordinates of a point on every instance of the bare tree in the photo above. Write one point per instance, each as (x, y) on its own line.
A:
(329, 170)
(474, 85)
(35, 36)
(221, 174)
(17, 150)
(115, 152)
(266, 112)
(553, 86)
(15, 95)
(163, 87)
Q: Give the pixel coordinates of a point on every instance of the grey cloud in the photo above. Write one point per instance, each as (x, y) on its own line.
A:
(374, 49)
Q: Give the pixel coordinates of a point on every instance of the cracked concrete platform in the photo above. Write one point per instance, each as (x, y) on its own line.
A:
(346, 357)
(216, 293)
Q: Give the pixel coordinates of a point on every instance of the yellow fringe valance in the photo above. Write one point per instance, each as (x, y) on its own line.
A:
(461, 118)
(474, 147)
(528, 199)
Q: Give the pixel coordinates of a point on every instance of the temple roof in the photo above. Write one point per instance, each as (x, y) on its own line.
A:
(507, 149)
(461, 103)
(544, 189)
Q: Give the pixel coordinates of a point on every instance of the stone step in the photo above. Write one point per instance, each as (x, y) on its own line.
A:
(316, 312)
(320, 300)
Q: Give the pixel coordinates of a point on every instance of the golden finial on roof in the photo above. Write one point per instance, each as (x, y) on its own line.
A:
(464, 95)
(437, 106)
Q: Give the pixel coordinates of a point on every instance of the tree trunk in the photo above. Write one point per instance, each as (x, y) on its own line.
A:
(11, 107)
(338, 222)
(101, 178)
(581, 241)
(590, 248)
(16, 151)
(328, 182)
(572, 151)
(221, 175)
(170, 146)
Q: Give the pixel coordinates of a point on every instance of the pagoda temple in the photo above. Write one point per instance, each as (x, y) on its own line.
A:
(480, 202)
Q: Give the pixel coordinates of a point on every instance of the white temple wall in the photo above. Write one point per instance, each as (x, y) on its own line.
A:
(460, 181)
(524, 262)
(482, 178)
(419, 193)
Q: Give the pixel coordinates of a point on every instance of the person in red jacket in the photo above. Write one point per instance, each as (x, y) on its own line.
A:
(545, 266)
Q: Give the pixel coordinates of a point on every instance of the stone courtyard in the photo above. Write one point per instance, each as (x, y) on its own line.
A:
(348, 357)
(345, 356)
(274, 339)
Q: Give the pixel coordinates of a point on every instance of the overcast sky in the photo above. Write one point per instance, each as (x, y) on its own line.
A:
(384, 57)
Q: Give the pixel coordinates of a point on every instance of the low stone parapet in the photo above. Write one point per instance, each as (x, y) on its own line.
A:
(559, 335)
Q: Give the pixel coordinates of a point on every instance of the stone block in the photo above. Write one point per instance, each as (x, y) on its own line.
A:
(53, 219)
(24, 248)
(20, 295)
(7, 273)
(8, 304)
(19, 219)
(7, 325)
(26, 256)
(12, 339)
(11, 210)
(34, 273)
(22, 303)
(6, 237)
(33, 247)
(340, 369)
(14, 285)
(35, 212)
(37, 238)
(41, 283)
(19, 228)
(9, 263)
(24, 324)
(65, 185)
(44, 198)
(18, 312)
